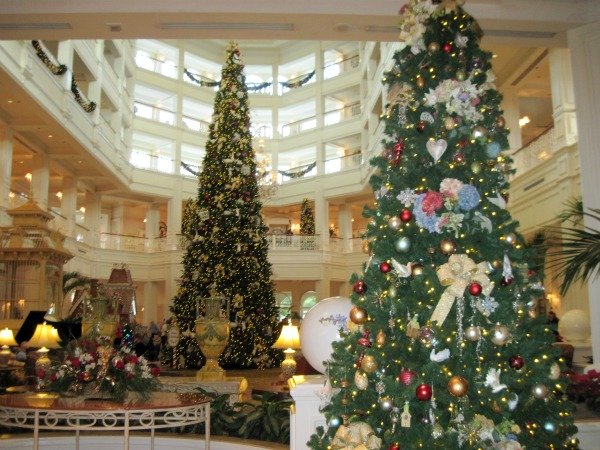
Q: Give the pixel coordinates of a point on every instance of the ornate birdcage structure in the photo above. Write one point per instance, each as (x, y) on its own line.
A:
(32, 257)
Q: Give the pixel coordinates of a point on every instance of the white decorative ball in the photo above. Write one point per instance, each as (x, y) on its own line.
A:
(574, 326)
(320, 327)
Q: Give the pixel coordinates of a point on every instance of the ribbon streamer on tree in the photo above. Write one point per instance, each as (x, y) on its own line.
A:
(456, 275)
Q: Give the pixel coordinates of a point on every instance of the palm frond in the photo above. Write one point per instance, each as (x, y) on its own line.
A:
(573, 212)
(578, 258)
(73, 280)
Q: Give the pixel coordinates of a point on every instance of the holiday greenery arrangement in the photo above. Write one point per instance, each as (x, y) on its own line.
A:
(227, 246)
(94, 368)
(444, 347)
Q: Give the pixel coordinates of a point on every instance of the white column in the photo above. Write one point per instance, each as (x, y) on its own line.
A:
(584, 44)
(92, 216)
(322, 219)
(68, 204)
(117, 221)
(306, 415)
(149, 301)
(563, 97)
(345, 225)
(151, 226)
(40, 180)
(510, 105)
(6, 155)
(174, 215)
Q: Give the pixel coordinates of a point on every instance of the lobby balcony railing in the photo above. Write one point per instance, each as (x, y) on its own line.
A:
(536, 152)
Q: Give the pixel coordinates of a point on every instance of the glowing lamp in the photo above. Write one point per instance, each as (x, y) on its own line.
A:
(45, 337)
(289, 341)
(7, 339)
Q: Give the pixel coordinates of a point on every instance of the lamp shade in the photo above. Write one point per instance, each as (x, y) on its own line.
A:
(44, 337)
(7, 338)
(289, 338)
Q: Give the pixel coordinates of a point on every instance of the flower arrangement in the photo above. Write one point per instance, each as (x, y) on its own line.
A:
(93, 367)
(455, 197)
(585, 387)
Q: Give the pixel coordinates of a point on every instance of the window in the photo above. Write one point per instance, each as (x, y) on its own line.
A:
(284, 303)
(308, 300)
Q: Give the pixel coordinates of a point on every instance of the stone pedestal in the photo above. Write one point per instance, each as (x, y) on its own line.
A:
(235, 387)
(305, 415)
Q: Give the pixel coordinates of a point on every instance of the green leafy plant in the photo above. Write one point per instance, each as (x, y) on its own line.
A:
(578, 255)
(265, 418)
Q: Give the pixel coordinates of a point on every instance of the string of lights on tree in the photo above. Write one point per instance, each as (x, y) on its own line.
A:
(444, 347)
(227, 248)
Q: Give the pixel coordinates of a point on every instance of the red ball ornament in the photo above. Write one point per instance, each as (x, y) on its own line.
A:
(406, 376)
(423, 392)
(447, 47)
(360, 287)
(516, 362)
(365, 340)
(385, 267)
(405, 215)
(420, 126)
(506, 281)
(474, 288)
(394, 446)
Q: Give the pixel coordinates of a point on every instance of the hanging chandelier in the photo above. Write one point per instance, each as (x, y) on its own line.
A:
(265, 175)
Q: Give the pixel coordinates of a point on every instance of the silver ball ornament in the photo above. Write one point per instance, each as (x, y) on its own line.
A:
(479, 132)
(500, 335)
(511, 238)
(539, 391)
(394, 223)
(472, 333)
(402, 245)
(386, 403)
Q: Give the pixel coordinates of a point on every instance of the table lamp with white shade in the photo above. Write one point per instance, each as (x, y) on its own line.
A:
(7, 339)
(45, 337)
(289, 341)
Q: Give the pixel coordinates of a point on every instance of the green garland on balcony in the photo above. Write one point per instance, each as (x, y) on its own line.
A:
(253, 86)
(190, 169)
(88, 106)
(300, 173)
(56, 69)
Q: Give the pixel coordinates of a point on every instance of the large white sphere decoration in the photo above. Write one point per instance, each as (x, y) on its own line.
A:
(574, 326)
(320, 327)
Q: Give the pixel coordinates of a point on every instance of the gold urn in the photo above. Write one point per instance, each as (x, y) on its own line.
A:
(212, 334)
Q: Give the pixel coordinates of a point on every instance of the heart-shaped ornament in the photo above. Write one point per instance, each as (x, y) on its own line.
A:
(436, 148)
(426, 117)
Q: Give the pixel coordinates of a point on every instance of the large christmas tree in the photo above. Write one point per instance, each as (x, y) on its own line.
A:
(444, 348)
(228, 251)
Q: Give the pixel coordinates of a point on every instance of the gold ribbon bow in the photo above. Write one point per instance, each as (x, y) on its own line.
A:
(457, 274)
(355, 436)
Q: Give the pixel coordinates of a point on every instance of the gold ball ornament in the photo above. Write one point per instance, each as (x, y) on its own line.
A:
(369, 364)
(380, 338)
(449, 123)
(437, 431)
(358, 315)
(361, 380)
(476, 167)
(500, 335)
(511, 238)
(473, 333)
(479, 132)
(416, 269)
(344, 383)
(461, 75)
(392, 291)
(501, 122)
(496, 264)
(420, 82)
(539, 391)
(458, 386)
(496, 407)
(447, 246)
(433, 47)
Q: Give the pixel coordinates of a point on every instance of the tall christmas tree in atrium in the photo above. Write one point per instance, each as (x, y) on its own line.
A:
(307, 219)
(228, 251)
(444, 348)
